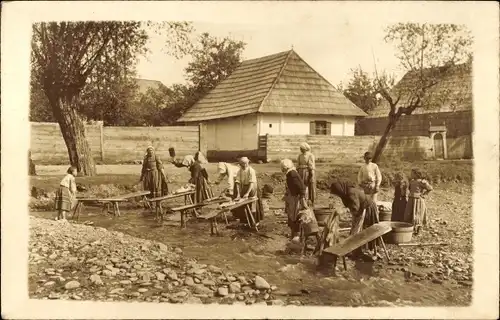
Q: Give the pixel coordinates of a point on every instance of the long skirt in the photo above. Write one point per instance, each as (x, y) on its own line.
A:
(310, 183)
(292, 208)
(416, 212)
(202, 190)
(64, 201)
(257, 209)
(398, 209)
(156, 183)
(365, 219)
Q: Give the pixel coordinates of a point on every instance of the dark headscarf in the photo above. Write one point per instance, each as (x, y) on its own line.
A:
(341, 188)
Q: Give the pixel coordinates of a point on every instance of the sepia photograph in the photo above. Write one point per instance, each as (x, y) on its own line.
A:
(311, 161)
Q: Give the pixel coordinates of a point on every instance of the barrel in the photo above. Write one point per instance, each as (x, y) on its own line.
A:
(401, 232)
(322, 215)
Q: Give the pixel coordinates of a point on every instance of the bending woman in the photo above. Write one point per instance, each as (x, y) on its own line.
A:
(199, 177)
(229, 172)
(363, 210)
(247, 187)
(153, 176)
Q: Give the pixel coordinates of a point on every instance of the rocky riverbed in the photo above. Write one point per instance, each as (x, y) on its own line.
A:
(73, 261)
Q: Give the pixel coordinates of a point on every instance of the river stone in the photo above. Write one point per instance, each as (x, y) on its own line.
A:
(49, 283)
(160, 276)
(201, 289)
(276, 302)
(235, 287)
(189, 281)
(96, 279)
(222, 291)
(261, 283)
(72, 285)
(208, 282)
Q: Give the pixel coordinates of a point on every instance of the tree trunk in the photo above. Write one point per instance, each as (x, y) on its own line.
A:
(382, 143)
(73, 132)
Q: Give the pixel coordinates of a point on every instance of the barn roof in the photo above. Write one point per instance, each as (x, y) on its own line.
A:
(144, 84)
(278, 83)
(452, 92)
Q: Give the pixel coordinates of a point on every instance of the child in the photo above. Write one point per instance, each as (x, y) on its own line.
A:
(416, 210)
(400, 184)
(66, 194)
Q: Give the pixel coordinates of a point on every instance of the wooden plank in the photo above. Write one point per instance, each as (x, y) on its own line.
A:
(188, 206)
(355, 241)
(101, 199)
(239, 204)
(132, 195)
(171, 196)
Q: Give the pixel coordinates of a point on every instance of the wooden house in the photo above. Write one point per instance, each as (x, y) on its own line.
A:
(446, 116)
(279, 94)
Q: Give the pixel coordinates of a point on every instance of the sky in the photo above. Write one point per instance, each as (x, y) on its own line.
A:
(332, 48)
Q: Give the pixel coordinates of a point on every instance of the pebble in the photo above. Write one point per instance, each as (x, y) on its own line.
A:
(96, 279)
(276, 302)
(261, 283)
(72, 285)
(142, 290)
(125, 282)
(222, 291)
(49, 283)
(188, 281)
(160, 276)
(208, 282)
(235, 287)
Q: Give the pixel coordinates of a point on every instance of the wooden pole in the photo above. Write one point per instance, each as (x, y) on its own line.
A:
(101, 127)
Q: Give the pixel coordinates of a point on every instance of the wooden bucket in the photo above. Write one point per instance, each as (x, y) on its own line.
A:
(322, 215)
(402, 232)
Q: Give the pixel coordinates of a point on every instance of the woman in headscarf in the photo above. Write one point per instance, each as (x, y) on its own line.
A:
(295, 197)
(229, 172)
(307, 168)
(363, 210)
(153, 176)
(246, 187)
(199, 178)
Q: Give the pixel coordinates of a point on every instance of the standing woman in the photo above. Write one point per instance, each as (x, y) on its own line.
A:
(307, 171)
(400, 184)
(247, 187)
(153, 176)
(416, 209)
(295, 197)
(363, 210)
(199, 177)
(66, 194)
(229, 172)
(369, 177)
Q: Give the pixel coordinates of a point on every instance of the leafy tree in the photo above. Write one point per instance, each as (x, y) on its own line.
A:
(426, 52)
(73, 62)
(361, 90)
(213, 60)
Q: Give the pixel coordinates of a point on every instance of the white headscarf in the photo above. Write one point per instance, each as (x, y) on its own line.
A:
(149, 148)
(304, 146)
(222, 168)
(200, 157)
(244, 160)
(188, 161)
(287, 164)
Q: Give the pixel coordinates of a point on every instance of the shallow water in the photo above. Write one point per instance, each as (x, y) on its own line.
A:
(245, 252)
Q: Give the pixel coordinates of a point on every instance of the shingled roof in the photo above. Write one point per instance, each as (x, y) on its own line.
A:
(452, 92)
(278, 83)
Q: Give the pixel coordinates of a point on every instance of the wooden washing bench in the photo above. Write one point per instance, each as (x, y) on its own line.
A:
(107, 202)
(374, 232)
(158, 200)
(246, 204)
(183, 210)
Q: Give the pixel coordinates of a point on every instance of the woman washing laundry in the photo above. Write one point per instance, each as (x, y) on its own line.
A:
(153, 176)
(363, 210)
(246, 186)
(199, 176)
(306, 169)
(227, 171)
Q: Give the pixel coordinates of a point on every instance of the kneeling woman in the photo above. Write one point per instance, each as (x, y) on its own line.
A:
(246, 187)
(363, 210)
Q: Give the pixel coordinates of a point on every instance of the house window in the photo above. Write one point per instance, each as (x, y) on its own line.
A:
(320, 128)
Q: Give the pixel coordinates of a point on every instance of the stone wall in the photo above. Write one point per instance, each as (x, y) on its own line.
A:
(113, 144)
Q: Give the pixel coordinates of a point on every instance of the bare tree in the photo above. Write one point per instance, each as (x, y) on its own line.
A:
(427, 52)
(67, 56)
